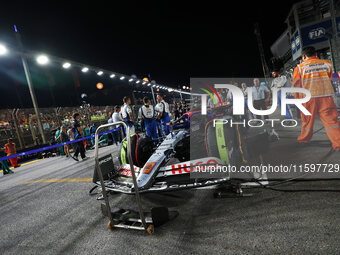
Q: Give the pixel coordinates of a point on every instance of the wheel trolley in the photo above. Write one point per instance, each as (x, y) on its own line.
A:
(126, 218)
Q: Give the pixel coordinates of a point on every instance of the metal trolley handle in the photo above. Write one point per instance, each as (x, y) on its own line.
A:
(99, 171)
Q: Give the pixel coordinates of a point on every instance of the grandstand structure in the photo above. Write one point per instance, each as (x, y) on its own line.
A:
(310, 23)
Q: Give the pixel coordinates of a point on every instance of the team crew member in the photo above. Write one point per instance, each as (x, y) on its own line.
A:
(114, 134)
(245, 94)
(147, 113)
(163, 114)
(176, 111)
(260, 96)
(64, 139)
(110, 135)
(315, 75)
(279, 82)
(116, 118)
(183, 108)
(11, 149)
(58, 140)
(3, 163)
(78, 133)
(127, 114)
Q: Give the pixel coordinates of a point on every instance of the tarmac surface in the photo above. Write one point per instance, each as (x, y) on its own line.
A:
(56, 215)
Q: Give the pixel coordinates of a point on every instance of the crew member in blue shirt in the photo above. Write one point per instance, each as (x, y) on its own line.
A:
(163, 114)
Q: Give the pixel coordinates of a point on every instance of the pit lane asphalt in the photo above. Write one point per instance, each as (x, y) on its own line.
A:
(61, 218)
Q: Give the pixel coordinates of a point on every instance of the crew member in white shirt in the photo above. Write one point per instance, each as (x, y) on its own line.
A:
(163, 114)
(127, 115)
(260, 96)
(147, 113)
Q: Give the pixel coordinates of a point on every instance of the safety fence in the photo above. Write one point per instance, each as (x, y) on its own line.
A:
(21, 124)
(47, 148)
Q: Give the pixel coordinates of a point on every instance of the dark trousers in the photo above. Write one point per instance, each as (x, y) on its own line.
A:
(260, 105)
(79, 149)
(122, 132)
(4, 166)
(177, 115)
(117, 136)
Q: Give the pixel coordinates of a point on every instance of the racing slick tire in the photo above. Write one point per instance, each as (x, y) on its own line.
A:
(122, 156)
(225, 143)
(144, 150)
(183, 149)
(141, 150)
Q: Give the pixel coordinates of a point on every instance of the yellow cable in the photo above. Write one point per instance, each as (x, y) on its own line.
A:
(240, 145)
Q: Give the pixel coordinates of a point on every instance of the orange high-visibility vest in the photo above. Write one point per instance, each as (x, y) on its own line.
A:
(10, 148)
(315, 75)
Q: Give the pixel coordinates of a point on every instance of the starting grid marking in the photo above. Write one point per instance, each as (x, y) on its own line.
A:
(59, 180)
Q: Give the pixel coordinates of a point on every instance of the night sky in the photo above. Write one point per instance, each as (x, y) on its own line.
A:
(172, 41)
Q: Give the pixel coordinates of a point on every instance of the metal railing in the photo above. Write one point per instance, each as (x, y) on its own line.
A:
(101, 178)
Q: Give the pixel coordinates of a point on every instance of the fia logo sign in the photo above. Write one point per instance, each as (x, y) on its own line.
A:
(297, 42)
(317, 33)
(293, 45)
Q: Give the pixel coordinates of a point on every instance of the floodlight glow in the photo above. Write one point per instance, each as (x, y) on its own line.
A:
(100, 85)
(66, 65)
(42, 59)
(100, 73)
(84, 70)
(112, 75)
(183, 87)
(130, 80)
(143, 82)
(122, 78)
(187, 87)
(149, 84)
(153, 85)
(3, 49)
(138, 81)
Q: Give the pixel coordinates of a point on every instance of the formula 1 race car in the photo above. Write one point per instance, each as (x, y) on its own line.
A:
(172, 162)
(175, 162)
